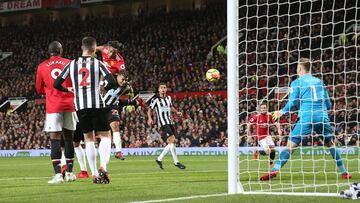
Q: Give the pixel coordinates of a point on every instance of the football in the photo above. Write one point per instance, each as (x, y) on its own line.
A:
(213, 75)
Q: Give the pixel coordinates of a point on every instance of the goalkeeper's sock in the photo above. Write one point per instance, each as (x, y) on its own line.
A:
(283, 158)
(335, 153)
(262, 152)
(272, 156)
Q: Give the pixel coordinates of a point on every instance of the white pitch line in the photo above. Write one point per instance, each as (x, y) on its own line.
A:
(182, 198)
(23, 178)
(251, 193)
(144, 173)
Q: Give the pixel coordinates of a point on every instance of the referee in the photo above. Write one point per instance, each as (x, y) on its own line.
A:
(163, 108)
(85, 73)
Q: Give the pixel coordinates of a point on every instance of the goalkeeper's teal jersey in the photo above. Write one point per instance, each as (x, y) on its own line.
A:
(309, 95)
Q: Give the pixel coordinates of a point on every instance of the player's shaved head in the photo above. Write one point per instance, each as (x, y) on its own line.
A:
(55, 48)
(88, 44)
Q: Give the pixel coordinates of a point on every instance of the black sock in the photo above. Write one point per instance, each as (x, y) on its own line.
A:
(69, 154)
(262, 152)
(272, 156)
(56, 155)
(69, 165)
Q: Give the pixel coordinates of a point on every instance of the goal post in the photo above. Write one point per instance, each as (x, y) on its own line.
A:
(265, 40)
(234, 186)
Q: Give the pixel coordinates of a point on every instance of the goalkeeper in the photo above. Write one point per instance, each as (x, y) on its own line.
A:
(312, 99)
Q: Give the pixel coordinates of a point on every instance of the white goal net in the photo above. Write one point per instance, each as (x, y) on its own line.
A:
(271, 37)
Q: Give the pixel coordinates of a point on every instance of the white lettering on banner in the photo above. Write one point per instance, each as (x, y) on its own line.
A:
(19, 5)
(183, 151)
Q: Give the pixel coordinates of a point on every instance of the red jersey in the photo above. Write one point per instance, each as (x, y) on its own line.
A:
(56, 101)
(116, 64)
(262, 124)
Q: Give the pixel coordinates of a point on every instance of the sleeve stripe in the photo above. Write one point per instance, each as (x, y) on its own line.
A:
(103, 69)
(65, 73)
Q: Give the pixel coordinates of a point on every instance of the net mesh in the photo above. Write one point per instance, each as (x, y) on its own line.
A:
(273, 36)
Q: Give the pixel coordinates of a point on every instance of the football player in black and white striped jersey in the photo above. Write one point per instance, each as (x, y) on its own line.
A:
(163, 107)
(85, 73)
(114, 104)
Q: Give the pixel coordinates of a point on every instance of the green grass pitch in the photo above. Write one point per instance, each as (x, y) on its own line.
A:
(138, 179)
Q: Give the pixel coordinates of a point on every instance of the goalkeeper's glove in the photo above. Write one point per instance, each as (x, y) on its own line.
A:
(276, 115)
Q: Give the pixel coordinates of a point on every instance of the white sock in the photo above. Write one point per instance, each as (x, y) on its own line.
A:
(80, 155)
(91, 157)
(173, 153)
(164, 152)
(104, 151)
(117, 141)
(63, 160)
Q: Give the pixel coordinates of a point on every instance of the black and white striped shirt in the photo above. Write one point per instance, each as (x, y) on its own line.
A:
(85, 73)
(162, 107)
(112, 96)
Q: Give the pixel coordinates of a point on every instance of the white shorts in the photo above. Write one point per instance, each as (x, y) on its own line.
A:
(55, 122)
(266, 142)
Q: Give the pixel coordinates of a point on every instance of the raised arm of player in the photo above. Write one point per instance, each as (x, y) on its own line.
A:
(293, 98)
(40, 85)
(62, 77)
(108, 77)
(99, 48)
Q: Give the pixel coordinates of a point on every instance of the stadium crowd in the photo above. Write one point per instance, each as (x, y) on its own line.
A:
(149, 48)
(176, 44)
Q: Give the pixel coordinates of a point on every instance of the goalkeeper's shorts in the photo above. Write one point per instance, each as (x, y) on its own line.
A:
(303, 128)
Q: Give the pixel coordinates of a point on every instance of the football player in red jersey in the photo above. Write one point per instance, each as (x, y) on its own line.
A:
(116, 65)
(263, 120)
(60, 116)
(112, 58)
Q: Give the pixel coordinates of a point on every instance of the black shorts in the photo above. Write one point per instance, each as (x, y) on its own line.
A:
(113, 114)
(93, 120)
(78, 134)
(167, 131)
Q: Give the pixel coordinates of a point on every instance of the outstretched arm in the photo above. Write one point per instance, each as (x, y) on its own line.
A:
(293, 98)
